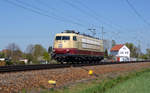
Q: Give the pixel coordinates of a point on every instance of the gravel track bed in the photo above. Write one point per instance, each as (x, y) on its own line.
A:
(15, 81)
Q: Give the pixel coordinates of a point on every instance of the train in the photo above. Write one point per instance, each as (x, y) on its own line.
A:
(71, 46)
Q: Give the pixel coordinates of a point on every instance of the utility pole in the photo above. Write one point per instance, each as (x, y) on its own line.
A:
(139, 48)
(103, 41)
(102, 32)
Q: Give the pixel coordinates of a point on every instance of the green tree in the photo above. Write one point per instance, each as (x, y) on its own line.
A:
(35, 53)
(113, 43)
(133, 50)
(46, 56)
(106, 54)
(29, 57)
(148, 53)
(143, 56)
(2, 55)
(50, 49)
(38, 52)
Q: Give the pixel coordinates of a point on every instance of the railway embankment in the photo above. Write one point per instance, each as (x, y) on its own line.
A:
(137, 81)
(37, 80)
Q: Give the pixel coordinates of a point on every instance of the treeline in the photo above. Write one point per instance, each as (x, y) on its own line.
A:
(137, 53)
(34, 54)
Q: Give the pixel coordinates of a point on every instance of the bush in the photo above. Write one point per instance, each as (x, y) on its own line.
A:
(9, 63)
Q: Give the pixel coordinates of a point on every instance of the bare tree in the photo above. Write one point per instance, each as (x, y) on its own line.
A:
(29, 52)
(30, 49)
(35, 53)
(14, 52)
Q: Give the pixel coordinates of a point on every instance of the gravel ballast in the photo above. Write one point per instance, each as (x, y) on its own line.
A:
(14, 82)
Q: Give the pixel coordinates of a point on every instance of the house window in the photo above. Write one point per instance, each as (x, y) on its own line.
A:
(121, 52)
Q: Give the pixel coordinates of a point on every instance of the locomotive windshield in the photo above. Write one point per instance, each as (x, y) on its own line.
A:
(65, 37)
(58, 37)
(62, 37)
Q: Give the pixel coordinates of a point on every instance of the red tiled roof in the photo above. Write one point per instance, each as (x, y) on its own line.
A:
(117, 47)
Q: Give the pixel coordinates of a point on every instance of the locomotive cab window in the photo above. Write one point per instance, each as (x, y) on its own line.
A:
(74, 38)
(58, 37)
(65, 37)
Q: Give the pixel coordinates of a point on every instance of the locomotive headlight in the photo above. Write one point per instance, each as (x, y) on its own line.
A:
(67, 50)
(53, 50)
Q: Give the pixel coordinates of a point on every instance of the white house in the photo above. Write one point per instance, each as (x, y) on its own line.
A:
(121, 52)
(24, 60)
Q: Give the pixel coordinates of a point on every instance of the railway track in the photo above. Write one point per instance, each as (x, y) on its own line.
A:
(17, 68)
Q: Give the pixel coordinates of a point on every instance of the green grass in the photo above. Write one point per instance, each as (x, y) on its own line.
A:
(140, 84)
(23, 91)
(137, 82)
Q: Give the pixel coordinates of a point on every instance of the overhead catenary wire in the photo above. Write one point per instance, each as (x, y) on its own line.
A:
(116, 31)
(39, 11)
(93, 14)
(40, 2)
(87, 13)
(79, 9)
(60, 17)
(137, 13)
(52, 8)
(96, 14)
(139, 16)
(114, 26)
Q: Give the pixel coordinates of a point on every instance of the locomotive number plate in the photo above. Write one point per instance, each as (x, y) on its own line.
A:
(59, 45)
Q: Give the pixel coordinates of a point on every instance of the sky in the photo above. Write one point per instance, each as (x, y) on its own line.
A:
(26, 22)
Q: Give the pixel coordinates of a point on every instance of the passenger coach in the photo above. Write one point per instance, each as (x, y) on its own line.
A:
(70, 46)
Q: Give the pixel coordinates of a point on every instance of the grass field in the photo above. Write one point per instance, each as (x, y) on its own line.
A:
(140, 84)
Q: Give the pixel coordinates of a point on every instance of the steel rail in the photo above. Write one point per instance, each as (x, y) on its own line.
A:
(16, 68)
